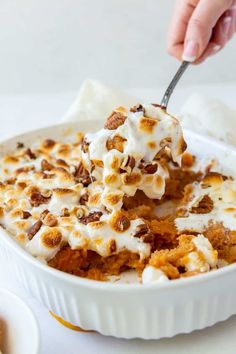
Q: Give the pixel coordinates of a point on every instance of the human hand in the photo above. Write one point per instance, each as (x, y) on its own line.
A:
(200, 28)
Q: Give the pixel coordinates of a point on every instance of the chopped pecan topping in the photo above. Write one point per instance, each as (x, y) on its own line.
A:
(130, 162)
(48, 143)
(150, 168)
(20, 145)
(21, 185)
(65, 212)
(80, 170)
(114, 121)
(137, 108)
(36, 199)
(83, 199)
(44, 213)
(115, 142)
(10, 181)
(30, 153)
(95, 216)
(85, 146)
(34, 229)
(82, 175)
(141, 230)
(122, 223)
(25, 214)
(46, 166)
(205, 206)
(112, 246)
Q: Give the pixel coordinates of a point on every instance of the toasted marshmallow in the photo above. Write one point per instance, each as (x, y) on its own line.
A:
(222, 195)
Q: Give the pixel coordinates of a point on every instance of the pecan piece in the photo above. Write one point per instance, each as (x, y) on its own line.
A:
(115, 142)
(137, 108)
(65, 212)
(130, 162)
(112, 246)
(34, 229)
(44, 213)
(46, 166)
(141, 230)
(20, 145)
(36, 199)
(82, 175)
(25, 214)
(122, 223)
(150, 168)
(95, 216)
(48, 143)
(114, 121)
(83, 199)
(30, 153)
(205, 206)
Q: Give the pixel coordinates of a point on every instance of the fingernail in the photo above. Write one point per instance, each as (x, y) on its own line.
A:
(190, 51)
(226, 24)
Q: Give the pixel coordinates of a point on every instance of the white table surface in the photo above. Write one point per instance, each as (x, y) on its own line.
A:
(25, 112)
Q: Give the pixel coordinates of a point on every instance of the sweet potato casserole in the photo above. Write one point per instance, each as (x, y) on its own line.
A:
(126, 197)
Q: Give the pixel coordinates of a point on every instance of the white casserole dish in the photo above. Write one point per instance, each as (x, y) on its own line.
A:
(127, 310)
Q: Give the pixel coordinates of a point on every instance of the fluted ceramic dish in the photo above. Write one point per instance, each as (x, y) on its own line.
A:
(127, 310)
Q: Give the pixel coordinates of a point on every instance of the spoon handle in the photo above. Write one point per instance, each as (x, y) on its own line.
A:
(173, 83)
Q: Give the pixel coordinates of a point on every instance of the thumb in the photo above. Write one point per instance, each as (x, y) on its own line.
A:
(200, 26)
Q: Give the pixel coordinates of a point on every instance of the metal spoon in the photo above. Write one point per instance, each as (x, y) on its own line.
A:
(173, 83)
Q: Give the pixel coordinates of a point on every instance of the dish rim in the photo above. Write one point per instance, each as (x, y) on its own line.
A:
(106, 285)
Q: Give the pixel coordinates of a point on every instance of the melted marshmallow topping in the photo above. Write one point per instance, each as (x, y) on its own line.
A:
(125, 152)
(210, 201)
(72, 193)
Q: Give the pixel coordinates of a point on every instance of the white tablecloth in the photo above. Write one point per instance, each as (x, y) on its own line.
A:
(21, 113)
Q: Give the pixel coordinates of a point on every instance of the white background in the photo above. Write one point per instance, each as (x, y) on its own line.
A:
(53, 45)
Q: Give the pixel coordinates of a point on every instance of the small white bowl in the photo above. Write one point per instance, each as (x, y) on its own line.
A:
(149, 311)
(19, 331)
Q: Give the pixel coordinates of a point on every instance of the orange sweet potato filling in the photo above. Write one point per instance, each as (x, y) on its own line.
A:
(168, 247)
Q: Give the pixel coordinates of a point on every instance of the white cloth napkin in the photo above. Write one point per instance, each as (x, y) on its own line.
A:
(209, 116)
(96, 100)
(202, 114)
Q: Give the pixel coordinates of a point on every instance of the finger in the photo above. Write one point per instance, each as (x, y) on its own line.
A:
(178, 26)
(222, 33)
(211, 49)
(222, 30)
(200, 27)
(232, 12)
